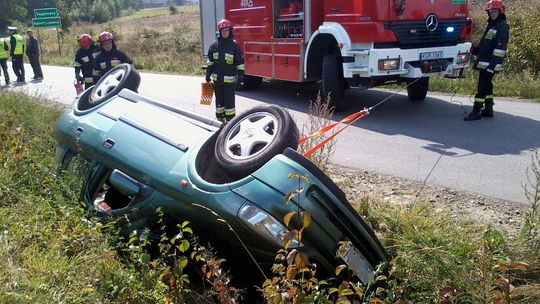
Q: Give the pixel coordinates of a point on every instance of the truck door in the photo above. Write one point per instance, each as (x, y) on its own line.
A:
(211, 12)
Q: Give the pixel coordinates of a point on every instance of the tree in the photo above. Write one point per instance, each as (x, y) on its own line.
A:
(12, 10)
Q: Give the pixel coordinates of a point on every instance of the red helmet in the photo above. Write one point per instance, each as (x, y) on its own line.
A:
(104, 37)
(224, 23)
(84, 40)
(495, 4)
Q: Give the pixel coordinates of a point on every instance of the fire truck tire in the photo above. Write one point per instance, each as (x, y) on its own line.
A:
(250, 83)
(254, 82)
(332, 81)
(417, 88)
(118, 78)
(251, 139)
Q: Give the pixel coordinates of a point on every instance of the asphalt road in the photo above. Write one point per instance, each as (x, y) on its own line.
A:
(426, 141)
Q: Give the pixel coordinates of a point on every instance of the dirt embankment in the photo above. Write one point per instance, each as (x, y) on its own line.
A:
(506, 215)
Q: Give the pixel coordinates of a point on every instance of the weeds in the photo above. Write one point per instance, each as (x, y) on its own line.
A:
(319, 115)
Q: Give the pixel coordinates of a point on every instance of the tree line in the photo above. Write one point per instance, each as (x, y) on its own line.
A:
(94, 11)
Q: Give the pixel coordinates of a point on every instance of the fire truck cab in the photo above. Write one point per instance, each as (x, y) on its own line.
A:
(346, 43)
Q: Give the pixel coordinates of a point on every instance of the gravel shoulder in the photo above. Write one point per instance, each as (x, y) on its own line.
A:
(503, 214)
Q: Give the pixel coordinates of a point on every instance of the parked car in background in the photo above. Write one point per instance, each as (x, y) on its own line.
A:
(147, 155)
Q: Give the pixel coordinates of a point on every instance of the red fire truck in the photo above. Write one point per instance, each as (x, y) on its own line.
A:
(346, 43)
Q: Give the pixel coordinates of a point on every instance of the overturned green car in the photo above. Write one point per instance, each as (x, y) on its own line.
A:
(147, 155)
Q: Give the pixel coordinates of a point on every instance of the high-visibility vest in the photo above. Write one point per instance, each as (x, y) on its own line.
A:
(3, 52)
(19, 45)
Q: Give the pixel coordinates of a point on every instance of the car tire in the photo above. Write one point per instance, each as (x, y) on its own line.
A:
(118, 78)
(417, 88)
(251, 139)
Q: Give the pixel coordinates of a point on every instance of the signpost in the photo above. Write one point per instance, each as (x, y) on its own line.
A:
(47, 17)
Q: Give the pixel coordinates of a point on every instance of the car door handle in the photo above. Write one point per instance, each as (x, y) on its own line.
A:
(108, 143)
(79, 131)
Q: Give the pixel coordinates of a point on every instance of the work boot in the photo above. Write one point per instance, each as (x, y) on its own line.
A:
(475, 113)
(488, 110)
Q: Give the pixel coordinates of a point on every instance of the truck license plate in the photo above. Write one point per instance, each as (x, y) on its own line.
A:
(431, 55)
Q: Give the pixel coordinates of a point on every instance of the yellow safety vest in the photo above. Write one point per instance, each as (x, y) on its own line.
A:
(3, 52)
(19, 46)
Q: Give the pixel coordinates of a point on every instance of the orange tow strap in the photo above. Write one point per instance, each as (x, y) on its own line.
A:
(349, 120)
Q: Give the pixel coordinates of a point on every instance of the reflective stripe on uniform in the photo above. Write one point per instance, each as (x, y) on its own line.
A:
(229, 58)
(95, 54)
(115, 62)
(214, 77)
(240, 67)
(499, 53)
(103, 65)
(88, 80)
(95, 72)
(477, 99)
(209, 63)
(229, 79)
(76, 64)
(230, 111)
(489, 96)
(85, 59)
(498, 67)
(220, 110)
(482, 64)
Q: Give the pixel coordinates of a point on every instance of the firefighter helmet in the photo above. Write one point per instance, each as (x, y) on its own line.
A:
(104, 37)
(224, 23)
(495, 4)
(85, 40)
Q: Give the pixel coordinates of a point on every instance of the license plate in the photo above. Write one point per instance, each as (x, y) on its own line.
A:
(356, 261)
(431, 55)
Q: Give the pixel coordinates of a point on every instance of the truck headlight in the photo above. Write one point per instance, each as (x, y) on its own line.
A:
(265, 225)
(388, 64)
(463, 57)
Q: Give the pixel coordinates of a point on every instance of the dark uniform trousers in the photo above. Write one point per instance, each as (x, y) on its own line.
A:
(3, 64)
(18, 66)
(225, 100)
(485, 87)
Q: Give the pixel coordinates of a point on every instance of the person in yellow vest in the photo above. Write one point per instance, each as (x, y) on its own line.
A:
(3, 59)
(16, 51)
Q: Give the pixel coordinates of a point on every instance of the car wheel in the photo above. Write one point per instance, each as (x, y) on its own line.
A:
(118, 78)
(251, 139)
(417, 88)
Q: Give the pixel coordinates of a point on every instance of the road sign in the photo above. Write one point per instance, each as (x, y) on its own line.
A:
(47, 22)
(45, 12)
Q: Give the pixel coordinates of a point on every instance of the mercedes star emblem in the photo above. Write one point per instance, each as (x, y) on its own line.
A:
(432, 22)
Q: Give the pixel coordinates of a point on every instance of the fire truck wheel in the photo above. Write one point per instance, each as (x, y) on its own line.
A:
(250, 83)
(118, 78)
(332, 81)
(251, 139)
(417, 88)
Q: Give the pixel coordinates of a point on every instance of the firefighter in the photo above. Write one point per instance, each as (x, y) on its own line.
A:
(16, 51)
(3, 59)
(225, 62)
(84, 60)
(490, 54)
(109, 57)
